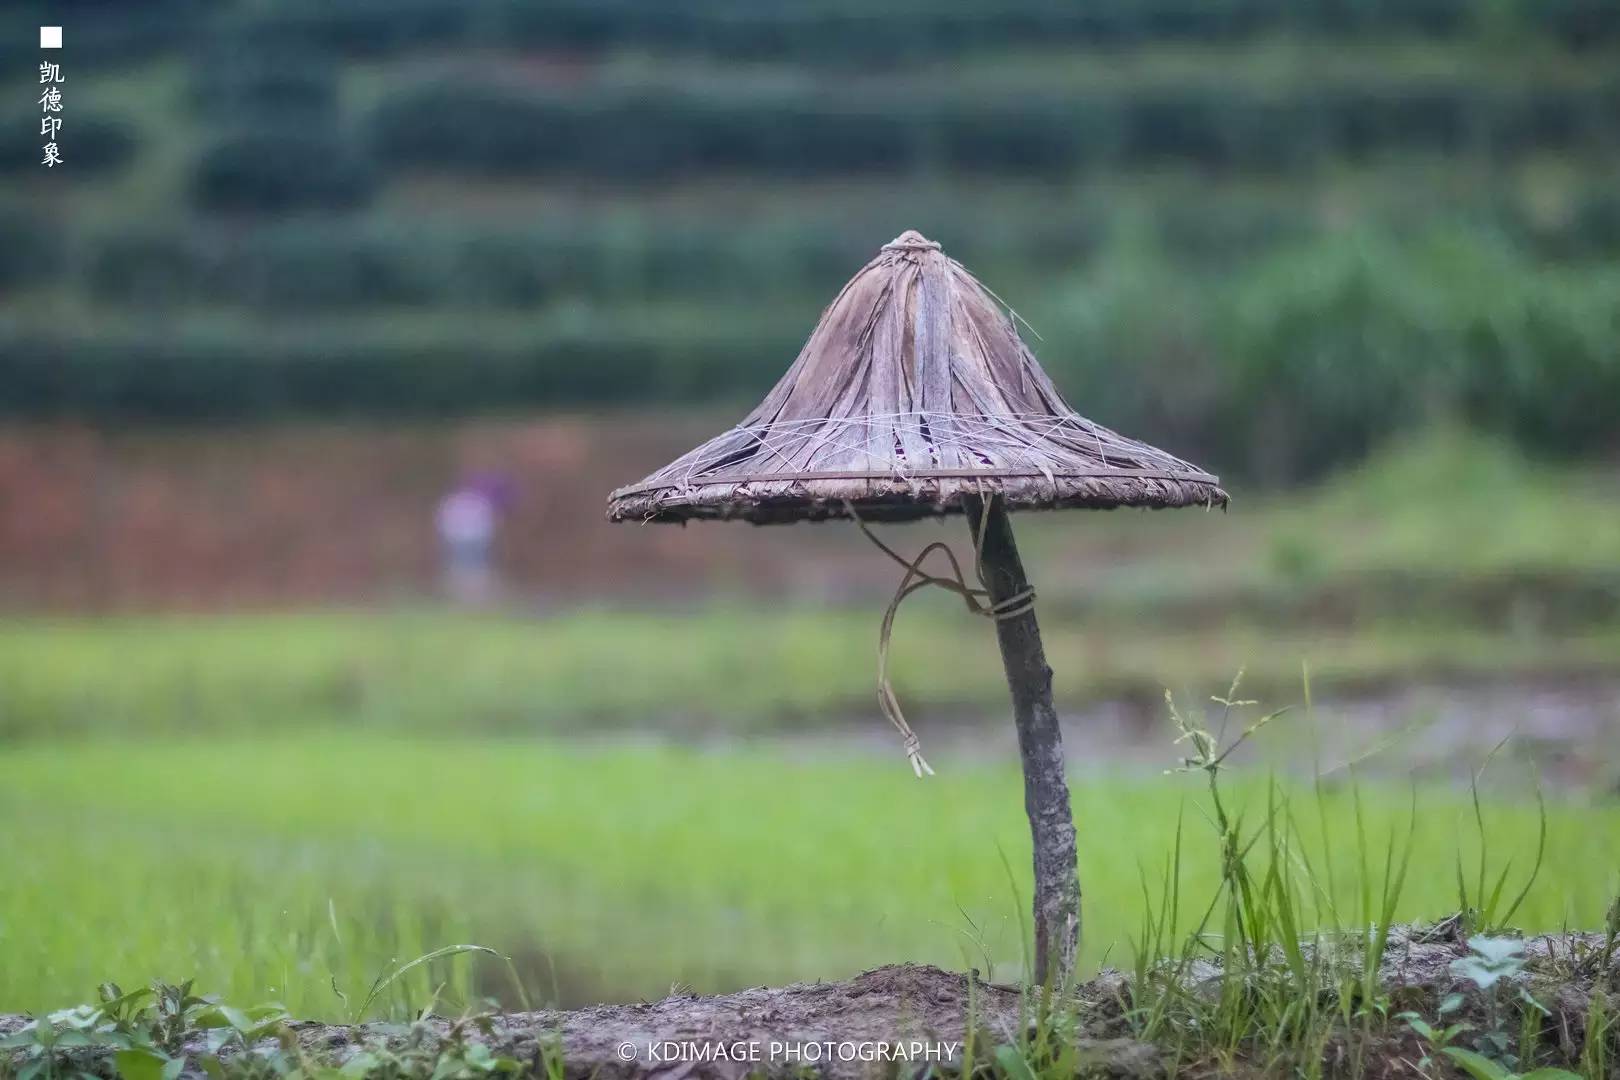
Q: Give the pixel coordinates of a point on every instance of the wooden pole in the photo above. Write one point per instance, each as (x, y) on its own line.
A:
(1040, 745)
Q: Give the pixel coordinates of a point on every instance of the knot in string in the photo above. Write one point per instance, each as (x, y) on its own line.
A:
(916, 578)
(914, 753)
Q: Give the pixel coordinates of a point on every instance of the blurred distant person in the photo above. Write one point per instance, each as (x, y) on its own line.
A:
(466, 520)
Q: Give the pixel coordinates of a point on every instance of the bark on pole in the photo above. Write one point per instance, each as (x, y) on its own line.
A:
(1040, 745)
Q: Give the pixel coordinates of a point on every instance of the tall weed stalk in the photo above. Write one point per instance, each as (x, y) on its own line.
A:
(1267, 971)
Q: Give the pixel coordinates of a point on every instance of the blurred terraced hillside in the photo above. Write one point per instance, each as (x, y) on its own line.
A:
(1266, 233)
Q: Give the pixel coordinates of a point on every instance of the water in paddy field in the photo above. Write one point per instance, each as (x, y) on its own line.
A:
(1566, 731)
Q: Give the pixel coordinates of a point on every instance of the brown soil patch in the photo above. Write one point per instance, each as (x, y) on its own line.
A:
(887, 1021)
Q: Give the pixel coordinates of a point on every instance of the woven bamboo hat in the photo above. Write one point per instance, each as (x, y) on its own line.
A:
(913, 393)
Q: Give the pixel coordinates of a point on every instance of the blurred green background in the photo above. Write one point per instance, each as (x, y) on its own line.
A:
(310, 265)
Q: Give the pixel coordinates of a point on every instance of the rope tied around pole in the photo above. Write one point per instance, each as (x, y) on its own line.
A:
(916, 578)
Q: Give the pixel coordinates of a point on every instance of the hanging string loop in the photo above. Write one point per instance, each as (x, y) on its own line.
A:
(915, 578)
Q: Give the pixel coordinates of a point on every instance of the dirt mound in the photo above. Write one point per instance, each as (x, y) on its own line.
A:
(888, 1021)
(902, 1020)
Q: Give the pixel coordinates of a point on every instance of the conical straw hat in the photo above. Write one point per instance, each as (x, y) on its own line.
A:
(913, 392)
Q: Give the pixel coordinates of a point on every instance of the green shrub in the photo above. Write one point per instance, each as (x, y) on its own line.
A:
(1311, 356)
(850, 32)
(1329, 349)
(354, 27)
(147, 266)
(277, 169)
(30, 249)
(305, 266)
(1280, 365)
(237, 83)
(214, 372)
(647, 133)
(344, 264)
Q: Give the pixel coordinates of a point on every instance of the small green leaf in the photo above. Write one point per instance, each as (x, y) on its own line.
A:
(1420, 1026)
(119, 1000)
(1526, 997)
(1497, 950)
(360, 1064)
(1483, 973)
(140, 1064)
(1478, 1066)
(260, 1013)
(220, 1016)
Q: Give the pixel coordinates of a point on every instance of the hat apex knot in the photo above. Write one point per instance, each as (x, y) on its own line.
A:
(911, 240)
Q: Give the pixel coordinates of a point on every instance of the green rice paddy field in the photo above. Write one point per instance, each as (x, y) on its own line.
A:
(290, 868)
